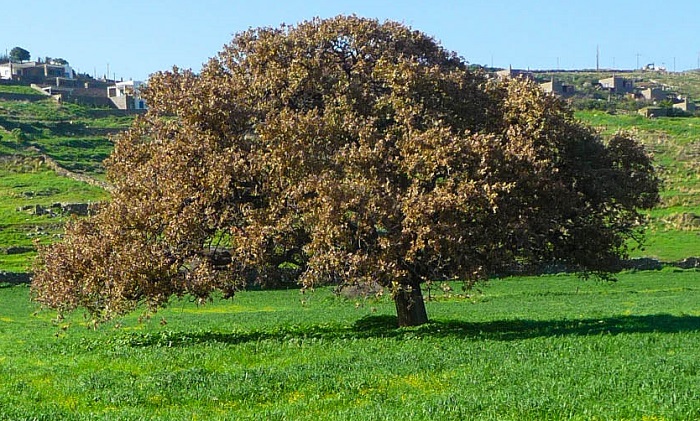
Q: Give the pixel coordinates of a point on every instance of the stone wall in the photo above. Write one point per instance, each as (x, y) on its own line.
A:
(13, 278)
(61, 209)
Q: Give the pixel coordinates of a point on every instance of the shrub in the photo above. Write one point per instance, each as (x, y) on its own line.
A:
(19, 135)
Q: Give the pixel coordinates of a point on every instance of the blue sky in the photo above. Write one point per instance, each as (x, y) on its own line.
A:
(133, 38)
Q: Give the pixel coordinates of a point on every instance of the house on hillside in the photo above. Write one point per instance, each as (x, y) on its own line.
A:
(556, 87)
(653, 112)
(127, 95)
(685, 105)
(654, 94)
(88, 91)
(681, 108)
(617, 84)
(35, 72)
(514, 73)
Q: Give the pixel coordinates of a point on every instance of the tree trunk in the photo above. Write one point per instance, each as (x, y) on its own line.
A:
(410, 307)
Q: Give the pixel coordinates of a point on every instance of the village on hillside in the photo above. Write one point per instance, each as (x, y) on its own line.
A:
(652, 99)
(56, 78)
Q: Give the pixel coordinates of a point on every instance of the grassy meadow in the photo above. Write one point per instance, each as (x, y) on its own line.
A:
(539, 348)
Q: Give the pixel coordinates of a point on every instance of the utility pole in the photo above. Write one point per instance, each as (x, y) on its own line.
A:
(638, 55)
(597, 58)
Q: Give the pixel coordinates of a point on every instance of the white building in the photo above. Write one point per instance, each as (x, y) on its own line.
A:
(127, 95)
(34, 71)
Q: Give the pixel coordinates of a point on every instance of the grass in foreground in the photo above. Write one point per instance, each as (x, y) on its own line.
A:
(522, 349)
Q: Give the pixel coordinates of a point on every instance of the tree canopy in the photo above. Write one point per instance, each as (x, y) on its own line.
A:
(19, 54)
(355, 152)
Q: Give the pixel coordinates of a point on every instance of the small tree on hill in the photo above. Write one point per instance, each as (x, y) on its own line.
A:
(358, 152)
(19, 54)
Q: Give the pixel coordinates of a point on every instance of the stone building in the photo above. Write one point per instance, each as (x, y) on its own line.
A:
(556, 87)
(653, 94)
(685, 105)
(514, 73)
(617, 84)
(35, 72)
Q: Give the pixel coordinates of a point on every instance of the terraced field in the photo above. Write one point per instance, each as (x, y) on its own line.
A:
(47, 152)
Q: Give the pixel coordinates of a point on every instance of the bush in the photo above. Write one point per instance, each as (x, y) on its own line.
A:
(593, 104)
(19, 135)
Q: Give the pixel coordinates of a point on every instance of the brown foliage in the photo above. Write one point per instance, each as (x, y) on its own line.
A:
(359, 151)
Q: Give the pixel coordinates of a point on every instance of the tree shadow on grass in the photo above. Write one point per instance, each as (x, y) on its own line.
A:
(385, 327)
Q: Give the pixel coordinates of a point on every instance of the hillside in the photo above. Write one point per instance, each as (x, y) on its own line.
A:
(588, 92)
(675, 142)
(40, 139)
(43, 144)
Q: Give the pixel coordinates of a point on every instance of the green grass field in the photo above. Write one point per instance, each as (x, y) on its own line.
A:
(19, 89)
(541, 348)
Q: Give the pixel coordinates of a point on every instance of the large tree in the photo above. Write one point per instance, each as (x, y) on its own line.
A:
(357, 152)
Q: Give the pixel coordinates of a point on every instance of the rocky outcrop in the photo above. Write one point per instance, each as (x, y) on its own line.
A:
(61, 209)
(14, 278)
(688, 263)
(642, 263)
